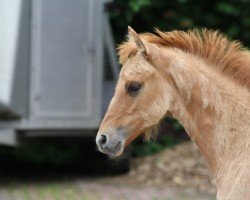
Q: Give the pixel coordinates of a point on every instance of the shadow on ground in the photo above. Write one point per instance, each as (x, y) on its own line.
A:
(57, 159)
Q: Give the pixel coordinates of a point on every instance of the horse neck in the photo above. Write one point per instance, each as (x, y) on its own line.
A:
(208, 106)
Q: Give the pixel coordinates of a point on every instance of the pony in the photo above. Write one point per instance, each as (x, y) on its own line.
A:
(198, 77)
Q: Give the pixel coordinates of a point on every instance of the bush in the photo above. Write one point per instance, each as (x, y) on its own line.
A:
(152, 147)
(230, 16)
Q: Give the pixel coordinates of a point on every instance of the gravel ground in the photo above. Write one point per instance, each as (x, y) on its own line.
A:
(180, 167)
(89, 190)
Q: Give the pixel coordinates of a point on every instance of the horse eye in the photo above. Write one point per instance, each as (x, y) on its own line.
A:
(133, 88)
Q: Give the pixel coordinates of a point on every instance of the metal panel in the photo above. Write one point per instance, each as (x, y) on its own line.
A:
(8, 137)
(14, 56)
(66, 60)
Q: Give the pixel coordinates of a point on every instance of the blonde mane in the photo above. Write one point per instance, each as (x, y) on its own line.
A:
(229, 58)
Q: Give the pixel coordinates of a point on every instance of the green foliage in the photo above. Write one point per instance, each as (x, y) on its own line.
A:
(155, 146)
(50, 153)
(230, 16)
(136, 5)
(176, 126)
(40, 152)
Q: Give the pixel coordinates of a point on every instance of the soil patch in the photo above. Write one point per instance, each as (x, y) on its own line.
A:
(180, 167)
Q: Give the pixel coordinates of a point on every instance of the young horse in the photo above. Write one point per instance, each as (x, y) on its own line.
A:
(201, 79)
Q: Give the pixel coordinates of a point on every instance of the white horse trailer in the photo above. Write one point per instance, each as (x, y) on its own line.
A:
(52, 67)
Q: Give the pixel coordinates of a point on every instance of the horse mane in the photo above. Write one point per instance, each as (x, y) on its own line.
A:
(228, 57)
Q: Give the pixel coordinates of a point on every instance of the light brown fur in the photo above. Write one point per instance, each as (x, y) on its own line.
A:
(201, 79)
(230, 58)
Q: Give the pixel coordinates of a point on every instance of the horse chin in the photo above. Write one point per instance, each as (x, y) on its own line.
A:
(114, 152)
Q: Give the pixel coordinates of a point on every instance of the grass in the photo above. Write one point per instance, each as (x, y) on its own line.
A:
(50, 191)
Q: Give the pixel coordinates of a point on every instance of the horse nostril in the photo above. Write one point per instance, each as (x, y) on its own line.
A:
(103, 140)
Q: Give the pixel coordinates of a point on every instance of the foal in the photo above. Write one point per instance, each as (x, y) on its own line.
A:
(201, 79)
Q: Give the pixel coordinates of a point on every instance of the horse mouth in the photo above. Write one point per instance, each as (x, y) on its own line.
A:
(114, 151)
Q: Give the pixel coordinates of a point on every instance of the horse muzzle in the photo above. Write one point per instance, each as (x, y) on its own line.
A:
(111, 142)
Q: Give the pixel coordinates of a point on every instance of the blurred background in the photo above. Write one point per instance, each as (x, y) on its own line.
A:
(57, 74)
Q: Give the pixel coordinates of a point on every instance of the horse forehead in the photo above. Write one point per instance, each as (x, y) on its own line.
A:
(136, 68)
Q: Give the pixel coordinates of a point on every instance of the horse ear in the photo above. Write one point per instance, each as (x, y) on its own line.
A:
(139, 43)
